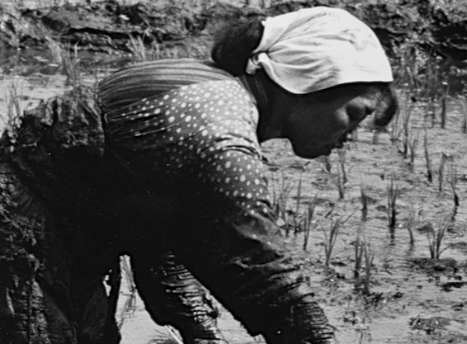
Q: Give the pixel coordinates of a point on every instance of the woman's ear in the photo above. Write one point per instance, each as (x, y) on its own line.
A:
(388, 107)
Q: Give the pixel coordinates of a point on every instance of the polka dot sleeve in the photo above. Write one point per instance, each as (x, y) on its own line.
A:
(202, 131)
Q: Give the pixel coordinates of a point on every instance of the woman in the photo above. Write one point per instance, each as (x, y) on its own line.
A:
(187, 194)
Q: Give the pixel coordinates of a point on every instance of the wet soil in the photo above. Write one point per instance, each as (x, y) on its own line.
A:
(410, 297)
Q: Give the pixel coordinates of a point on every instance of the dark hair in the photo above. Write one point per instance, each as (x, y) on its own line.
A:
(234, 43)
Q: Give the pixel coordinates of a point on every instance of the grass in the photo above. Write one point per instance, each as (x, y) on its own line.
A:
(341, 173)
(395, 130)
(341, 153)
(139, 50)
(364, 201)
(406, 127)
(308, 221)
(326, 163)
(340, 184)
(279, 199)
(71, 66)
(330, 237)
(413, 145)
(413, 220)
(393, 193)
(67, 58)
(444, 102)
(452, 180)
(296, 217)
(442, 164)
(358, 256)
(428, 162)
(462, 101)
(363, 254)
(435, 240)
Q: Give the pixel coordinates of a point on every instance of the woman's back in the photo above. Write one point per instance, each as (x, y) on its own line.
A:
(147, 79)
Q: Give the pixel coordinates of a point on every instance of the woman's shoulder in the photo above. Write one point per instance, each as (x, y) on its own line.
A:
(149, 79)
(167, 73)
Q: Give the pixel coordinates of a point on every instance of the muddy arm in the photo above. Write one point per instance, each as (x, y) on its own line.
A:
(174, 297)
(241, 260)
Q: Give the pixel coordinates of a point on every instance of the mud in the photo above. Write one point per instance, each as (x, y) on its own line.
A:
(434, 27)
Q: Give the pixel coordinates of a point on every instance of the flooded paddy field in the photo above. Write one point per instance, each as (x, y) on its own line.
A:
(404, 295)
(381, 223)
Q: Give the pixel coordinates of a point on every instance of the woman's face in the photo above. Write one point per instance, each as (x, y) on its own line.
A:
(316, 123)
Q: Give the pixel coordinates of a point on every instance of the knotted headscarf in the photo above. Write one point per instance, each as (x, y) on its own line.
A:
(317, 48)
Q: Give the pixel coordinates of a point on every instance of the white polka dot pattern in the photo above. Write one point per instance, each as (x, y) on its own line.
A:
(206, 131)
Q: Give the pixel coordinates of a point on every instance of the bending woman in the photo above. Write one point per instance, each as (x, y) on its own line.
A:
(186, 189)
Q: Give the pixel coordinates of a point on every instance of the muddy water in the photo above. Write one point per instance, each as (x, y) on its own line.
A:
(411, 300)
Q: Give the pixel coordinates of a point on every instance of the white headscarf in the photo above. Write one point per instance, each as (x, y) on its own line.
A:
(317, 48)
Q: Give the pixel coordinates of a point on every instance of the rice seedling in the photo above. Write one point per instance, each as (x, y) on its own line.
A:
(428, 163)
(444, 158)
(296, 220)
(340, 184)
(393, 193)
(452, 180)
(308, 220)
(331, 237)
(444, 101)
(432, 77)
(54, 48)
(141, 52)
(279, 201)
(70, 64)
(435, 240)
(413, 144)
(369, 258)
(67, 58)
(364, 201)
(431, 105)
(138, 49)
(341, 152)
(412, 222)
(406, 130)
(395, 130)
(464, 113)
(358, 256)
(409, 66)
(341, 177)
(401, 118)
(363, 253)
(326, 163)
(444, 92)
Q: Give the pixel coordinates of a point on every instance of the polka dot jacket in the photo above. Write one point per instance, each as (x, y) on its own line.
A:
(204, 129)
